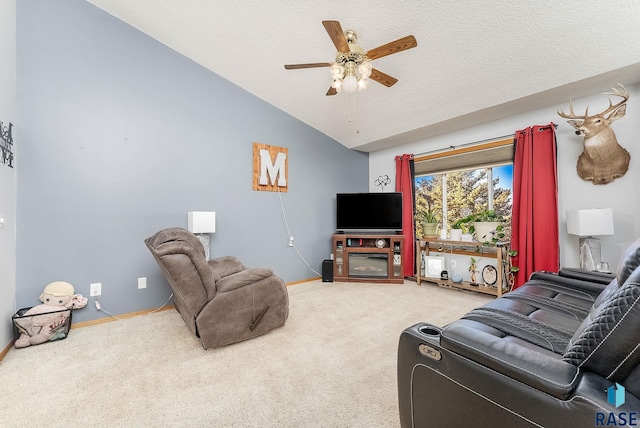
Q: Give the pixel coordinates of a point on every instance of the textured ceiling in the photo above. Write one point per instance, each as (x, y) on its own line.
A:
(476, 61)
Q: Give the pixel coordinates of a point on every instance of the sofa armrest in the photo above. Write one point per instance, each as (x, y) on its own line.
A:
(539, 370)
(593, 288)
(587, 275)
(240, 279)
(225, 266)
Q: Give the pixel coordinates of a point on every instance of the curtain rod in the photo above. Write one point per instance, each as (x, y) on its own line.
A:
(452, 147)
(541, 127)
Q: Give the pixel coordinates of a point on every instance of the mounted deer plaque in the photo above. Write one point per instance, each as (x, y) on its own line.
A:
(602, 159)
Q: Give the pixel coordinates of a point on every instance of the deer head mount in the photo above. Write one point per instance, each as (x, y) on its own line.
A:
(602, 159)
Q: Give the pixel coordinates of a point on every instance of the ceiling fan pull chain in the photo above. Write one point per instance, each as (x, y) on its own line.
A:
(357, 113)
(357, 118)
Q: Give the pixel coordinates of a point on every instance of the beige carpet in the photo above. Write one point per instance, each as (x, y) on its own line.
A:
(332, 365)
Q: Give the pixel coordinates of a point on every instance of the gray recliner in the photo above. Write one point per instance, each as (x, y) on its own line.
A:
(221, 300)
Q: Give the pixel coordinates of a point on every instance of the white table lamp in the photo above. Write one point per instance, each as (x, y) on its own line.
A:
(202, 224)
(586, 224)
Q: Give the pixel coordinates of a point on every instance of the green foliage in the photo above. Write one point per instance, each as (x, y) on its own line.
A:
(474, 264)
(511, 269)
(487, 215)
(464, 223)
(430, 215)
(499, 235)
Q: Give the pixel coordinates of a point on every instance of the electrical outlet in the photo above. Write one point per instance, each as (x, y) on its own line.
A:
(98, 307)
(95, 289)
(453, 264)
(142, 282)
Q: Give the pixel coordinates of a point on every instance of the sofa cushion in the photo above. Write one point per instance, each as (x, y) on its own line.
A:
(607, 341)
(606, 293)
(531, 365)
(544, 295)
(546, 326)
(629, 261)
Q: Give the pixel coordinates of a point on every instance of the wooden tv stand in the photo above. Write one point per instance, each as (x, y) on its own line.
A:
(368, 258)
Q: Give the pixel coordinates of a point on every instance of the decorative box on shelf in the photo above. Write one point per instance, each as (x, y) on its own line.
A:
(493, 274)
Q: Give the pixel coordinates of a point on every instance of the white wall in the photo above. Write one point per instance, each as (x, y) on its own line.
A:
(7, 175)
(574, 193)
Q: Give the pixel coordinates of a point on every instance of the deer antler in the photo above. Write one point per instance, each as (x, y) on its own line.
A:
(620, 93)
(571, 114)
(615, 91)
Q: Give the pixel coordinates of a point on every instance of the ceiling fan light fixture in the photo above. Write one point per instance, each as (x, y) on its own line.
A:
(350, 83)
(352, 68)
(337, 71)
(364, 69)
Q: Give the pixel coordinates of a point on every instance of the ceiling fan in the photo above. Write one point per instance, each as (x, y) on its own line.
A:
(352, 67)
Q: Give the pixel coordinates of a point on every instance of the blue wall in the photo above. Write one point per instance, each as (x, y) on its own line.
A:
(121, 136)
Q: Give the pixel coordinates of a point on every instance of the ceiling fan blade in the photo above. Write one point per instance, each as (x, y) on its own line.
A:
(337, 35)
(383, 78)
(331, 91)
(311, 65)
(393, 47)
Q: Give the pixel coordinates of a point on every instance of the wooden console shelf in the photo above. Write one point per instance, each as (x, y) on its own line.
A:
(497, 251)
(368, 258)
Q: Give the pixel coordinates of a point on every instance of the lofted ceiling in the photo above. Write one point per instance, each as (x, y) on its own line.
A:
(476, 61)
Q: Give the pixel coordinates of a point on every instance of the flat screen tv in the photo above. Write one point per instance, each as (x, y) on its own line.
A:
(369, 212)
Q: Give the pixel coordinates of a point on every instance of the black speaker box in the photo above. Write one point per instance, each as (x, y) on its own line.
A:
(327, 271)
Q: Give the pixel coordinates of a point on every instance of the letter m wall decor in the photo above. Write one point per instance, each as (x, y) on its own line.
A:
(270, 168)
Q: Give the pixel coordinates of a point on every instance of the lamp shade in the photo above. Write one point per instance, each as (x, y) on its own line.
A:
(202, 222)
(365, 69)
(350, 83)
(591, 222)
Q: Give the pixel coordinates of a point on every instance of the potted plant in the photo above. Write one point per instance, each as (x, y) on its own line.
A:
(473, 268)
(429, 222)
(487, 226)
(461, 227)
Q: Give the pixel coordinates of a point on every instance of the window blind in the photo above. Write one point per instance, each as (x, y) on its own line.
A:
(469, 157)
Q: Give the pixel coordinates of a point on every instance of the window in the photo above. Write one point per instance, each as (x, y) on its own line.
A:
(460, 191)
(458, 194)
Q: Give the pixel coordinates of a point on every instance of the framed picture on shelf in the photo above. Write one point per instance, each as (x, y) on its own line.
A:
(433, 266)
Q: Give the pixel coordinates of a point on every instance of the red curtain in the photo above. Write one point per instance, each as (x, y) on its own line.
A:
(534, 223)
(405, 184)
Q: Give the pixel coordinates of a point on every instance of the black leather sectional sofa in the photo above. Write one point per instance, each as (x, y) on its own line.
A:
(563, 350)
